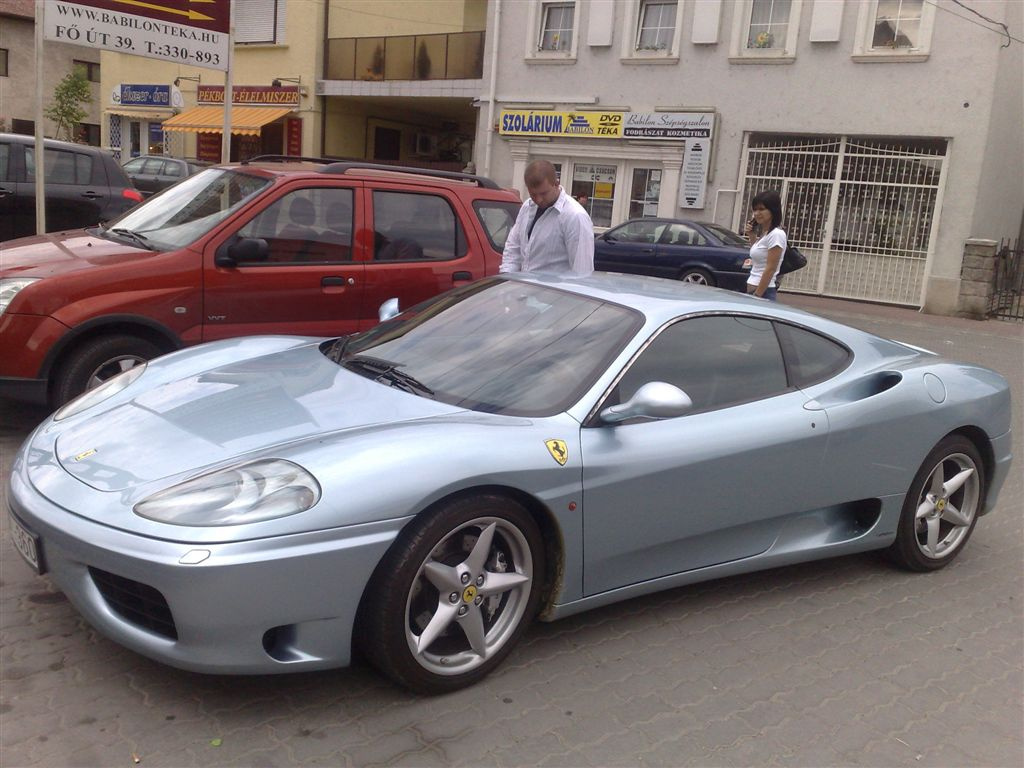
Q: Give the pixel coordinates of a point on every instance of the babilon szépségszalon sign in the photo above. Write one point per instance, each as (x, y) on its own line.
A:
(193, 32)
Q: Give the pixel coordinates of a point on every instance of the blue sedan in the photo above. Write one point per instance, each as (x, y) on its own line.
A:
(520, 446)
(691, 251)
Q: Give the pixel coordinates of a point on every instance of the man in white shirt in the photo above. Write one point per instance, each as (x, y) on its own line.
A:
(553, 232)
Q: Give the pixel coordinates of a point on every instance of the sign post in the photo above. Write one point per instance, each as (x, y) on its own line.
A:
(193, 32)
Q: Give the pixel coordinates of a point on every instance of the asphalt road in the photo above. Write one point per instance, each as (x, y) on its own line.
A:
(844, 662)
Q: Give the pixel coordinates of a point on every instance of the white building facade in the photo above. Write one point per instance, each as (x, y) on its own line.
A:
(893, 128)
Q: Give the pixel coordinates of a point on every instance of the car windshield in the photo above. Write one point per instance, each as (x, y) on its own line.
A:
(189, 209)
(496, 346)
(727, 236)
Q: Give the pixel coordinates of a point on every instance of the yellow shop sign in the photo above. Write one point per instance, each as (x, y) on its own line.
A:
(528, 122)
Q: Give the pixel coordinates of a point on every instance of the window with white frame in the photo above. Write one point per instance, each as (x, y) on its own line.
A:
(657, 25)
(894, 30)
(556, 27)
(897, 24)
(769, 22)
(765, 29)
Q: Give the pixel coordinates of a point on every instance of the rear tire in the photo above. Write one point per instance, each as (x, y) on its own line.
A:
(453, 595)
(97, 360)
(941, 507)
(698, 276)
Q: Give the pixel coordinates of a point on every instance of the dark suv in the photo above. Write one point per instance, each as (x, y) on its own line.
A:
(153, 173)
(266, 246)
(84, 186)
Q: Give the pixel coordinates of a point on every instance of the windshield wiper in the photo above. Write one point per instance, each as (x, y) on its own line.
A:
(142, 240)
(388, 371)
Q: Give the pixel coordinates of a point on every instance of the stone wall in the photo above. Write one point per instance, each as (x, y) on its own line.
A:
(977, 275)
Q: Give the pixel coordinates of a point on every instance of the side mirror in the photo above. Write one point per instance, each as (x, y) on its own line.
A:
(654, 400)
(242, 250)
(388, 310)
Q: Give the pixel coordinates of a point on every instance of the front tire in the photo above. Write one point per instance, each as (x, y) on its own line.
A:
(942, 506)
(97, 360)
(453, 595)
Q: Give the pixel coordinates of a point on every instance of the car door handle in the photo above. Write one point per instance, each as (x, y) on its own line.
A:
(456, 276)
(91, 195)
(329, 281)
(4, 192)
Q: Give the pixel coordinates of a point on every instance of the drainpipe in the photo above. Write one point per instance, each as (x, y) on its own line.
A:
(489, 143)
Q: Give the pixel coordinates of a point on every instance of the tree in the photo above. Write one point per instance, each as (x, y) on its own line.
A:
(68, 97)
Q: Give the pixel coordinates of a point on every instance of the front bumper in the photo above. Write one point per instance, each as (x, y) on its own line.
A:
(274, 605)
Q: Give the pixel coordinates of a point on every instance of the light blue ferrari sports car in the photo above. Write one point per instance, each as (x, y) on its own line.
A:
(520, 446)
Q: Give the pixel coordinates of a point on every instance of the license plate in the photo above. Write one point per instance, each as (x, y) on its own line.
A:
(27, 543)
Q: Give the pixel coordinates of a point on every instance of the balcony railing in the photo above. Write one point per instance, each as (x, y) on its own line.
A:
(455, 56)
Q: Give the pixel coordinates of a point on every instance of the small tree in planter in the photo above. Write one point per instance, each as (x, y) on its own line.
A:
(68, 97)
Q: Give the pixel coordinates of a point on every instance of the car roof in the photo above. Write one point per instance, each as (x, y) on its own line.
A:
(661, 300)
(283, 165)
(21, 138)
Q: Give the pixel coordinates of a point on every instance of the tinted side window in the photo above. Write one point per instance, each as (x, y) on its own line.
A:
(717, 361)
(811, 358)
(497, 219)
(61, 167)
(639, 232)
(306, 226)
(413, 227)
(681, 234)
(5, 161)
(134, 166)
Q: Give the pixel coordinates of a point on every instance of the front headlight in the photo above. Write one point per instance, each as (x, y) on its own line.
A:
(258, 490)
(10, 287)
(97, 395)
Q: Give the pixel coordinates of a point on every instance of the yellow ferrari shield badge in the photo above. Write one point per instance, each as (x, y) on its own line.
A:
(558, 450)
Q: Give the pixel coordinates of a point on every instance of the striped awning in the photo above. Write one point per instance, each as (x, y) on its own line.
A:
(210, 119)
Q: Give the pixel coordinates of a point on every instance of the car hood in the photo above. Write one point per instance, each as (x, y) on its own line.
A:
(227, 414)
(60, 252)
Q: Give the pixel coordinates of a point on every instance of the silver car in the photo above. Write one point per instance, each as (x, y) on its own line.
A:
(521, 446)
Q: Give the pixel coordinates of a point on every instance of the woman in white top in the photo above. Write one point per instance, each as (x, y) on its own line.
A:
(767, 244)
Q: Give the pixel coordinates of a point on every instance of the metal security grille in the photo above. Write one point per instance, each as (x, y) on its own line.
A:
(115, 136)
(863, 211)
(1008, 281)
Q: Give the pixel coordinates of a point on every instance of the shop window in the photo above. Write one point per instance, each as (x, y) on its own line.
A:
(262, 22)
(90, 69)
(23, 127)
(765, 30)
(594, 187)
(645, 192)
(555, 28)
(894, 30)
(3, 62)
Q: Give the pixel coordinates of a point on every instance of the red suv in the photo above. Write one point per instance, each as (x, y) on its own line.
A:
(273, 245)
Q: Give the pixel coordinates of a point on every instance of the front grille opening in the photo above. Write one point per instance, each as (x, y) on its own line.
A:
(135, 602)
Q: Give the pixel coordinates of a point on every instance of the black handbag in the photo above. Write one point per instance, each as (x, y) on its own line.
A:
(792, 260)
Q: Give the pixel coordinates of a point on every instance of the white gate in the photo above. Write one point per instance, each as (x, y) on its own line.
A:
(862, 210)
